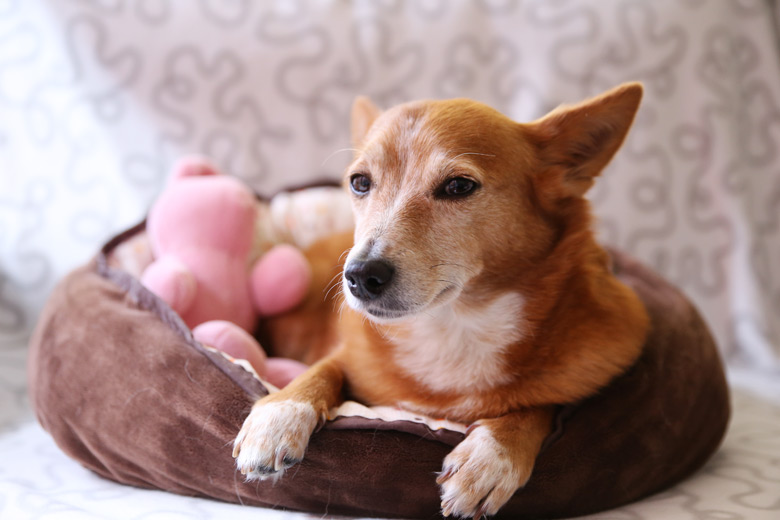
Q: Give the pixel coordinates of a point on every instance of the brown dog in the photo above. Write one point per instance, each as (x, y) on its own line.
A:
(488, 300)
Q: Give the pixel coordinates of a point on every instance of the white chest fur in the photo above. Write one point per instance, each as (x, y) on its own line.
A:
(455, 348)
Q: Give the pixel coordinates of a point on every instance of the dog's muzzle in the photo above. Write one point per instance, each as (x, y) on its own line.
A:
(368, 279)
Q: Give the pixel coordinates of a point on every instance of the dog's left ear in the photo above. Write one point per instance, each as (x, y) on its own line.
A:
(576, 142)
(364, 113)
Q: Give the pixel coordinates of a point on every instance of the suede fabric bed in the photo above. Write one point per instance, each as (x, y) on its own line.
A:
(119, 383)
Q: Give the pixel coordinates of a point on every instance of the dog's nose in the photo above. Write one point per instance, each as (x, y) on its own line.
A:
(368, 279)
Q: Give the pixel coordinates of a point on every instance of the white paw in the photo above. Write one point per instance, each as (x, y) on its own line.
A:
(273, 438)
(478, 476)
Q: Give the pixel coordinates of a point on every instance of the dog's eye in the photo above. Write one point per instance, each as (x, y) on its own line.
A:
(457, 187)
(360, 183)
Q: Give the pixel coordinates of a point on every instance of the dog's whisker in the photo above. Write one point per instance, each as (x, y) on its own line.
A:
(328, 158)
(332, 284)
(328, 295)
(345, 253)
(384, 332)
(341, 308)
(453, 159)
(428, 313)
(389, 339)
(334, 278)
(451, 283)
(374, 326)
(473, 153)
(444, 264)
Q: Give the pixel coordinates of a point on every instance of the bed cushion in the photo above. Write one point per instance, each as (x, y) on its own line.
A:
(118, 381)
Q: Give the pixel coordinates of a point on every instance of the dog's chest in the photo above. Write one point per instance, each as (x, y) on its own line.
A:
(456, 349)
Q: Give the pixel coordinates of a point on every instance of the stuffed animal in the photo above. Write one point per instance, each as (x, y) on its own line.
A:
(201, 230)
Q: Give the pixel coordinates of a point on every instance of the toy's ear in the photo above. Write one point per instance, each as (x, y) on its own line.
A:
(364, 113)
(576, 142)
(193, 167)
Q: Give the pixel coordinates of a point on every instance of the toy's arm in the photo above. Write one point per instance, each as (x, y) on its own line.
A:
(172, 281)
(280, 280)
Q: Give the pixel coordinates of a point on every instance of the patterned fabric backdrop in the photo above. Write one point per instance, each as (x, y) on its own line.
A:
(99, 97)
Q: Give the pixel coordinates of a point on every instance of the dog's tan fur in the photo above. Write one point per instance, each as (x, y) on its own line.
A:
(502, 306)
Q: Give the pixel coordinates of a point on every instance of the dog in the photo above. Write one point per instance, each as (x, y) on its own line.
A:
(488, 300)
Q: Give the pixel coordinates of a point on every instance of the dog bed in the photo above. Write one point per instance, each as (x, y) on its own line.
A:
(118, 381)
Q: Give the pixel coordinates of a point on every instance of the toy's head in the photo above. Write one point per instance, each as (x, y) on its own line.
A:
(202, 209)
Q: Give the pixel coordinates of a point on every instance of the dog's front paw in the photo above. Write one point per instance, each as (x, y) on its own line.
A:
(273, 438)
(479, 476)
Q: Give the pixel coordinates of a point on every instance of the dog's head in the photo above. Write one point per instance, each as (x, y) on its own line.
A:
(453, 200)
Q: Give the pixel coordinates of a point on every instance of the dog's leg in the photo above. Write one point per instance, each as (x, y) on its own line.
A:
(276, 432)
(494, 460)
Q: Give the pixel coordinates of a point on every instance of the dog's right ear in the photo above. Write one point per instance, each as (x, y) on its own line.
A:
(576, 142)
(364, 113)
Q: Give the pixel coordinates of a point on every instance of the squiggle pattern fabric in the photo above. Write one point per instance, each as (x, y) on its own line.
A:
(98, 98)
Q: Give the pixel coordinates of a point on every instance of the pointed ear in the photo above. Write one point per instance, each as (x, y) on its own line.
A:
(576, 142)
(364, 113)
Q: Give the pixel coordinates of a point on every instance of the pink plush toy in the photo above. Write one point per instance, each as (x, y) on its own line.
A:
(201, 230)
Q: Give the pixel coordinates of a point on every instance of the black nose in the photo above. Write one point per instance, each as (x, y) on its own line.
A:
(368, 280)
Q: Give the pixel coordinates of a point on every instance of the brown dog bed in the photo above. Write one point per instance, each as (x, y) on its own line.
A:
(118, 381)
